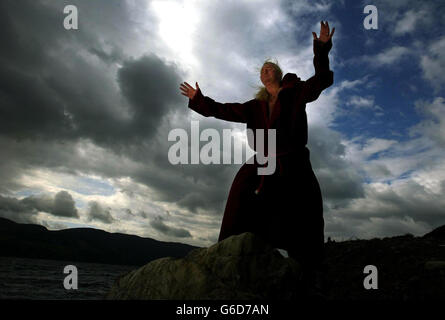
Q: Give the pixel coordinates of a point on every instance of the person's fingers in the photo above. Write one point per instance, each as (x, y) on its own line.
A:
(189, 86)
(314, 35)
(332, 33)
(187, 90)
(327, 25)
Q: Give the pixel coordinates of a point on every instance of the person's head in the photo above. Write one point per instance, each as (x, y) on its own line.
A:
(270, 73)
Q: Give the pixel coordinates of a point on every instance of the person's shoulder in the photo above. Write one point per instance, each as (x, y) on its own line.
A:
(290, 80)
(290, 74)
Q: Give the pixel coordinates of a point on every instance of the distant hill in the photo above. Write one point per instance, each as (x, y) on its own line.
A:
(437, 234)
(83, 245)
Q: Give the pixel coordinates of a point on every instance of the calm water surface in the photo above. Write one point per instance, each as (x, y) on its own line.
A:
(23, 278)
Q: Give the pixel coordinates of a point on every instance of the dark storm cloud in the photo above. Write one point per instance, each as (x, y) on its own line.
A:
(158, 224)
(51, 90)
(98, 212)
(339, 180)
(64, 205)
(151, 87)
(28, 107)
(61, 205)
(26, 27)
(37, 48)
(24, 211)
(40, 203)
(17, 210)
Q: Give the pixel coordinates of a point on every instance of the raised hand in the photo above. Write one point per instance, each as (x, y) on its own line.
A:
(324, 32)
(187, 90)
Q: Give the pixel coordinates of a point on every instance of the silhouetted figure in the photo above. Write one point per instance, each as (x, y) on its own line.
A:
(286, 207)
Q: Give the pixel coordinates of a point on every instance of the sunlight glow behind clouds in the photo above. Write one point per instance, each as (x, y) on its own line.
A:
(177, 27)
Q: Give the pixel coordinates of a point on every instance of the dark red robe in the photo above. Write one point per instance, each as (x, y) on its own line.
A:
(287, 208)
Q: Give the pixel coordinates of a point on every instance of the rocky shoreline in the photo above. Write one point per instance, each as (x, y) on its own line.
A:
(243, 267)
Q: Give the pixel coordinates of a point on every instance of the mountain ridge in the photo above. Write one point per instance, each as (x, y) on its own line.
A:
(83, 245)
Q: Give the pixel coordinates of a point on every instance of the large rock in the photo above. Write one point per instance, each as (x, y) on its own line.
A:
(240, 267)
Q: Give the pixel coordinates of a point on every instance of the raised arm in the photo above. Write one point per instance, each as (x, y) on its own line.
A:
(235, 112)
(323, 77)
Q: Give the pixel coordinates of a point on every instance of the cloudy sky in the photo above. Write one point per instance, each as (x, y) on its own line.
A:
(85, 114)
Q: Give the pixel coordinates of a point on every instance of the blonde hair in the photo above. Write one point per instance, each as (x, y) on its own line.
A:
(262, 93)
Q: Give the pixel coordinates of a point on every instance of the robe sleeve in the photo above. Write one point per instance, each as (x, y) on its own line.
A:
(323, 77)
(235, 112)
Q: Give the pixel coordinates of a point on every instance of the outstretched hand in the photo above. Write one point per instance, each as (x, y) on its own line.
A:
(324, 32)
(188, 91)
